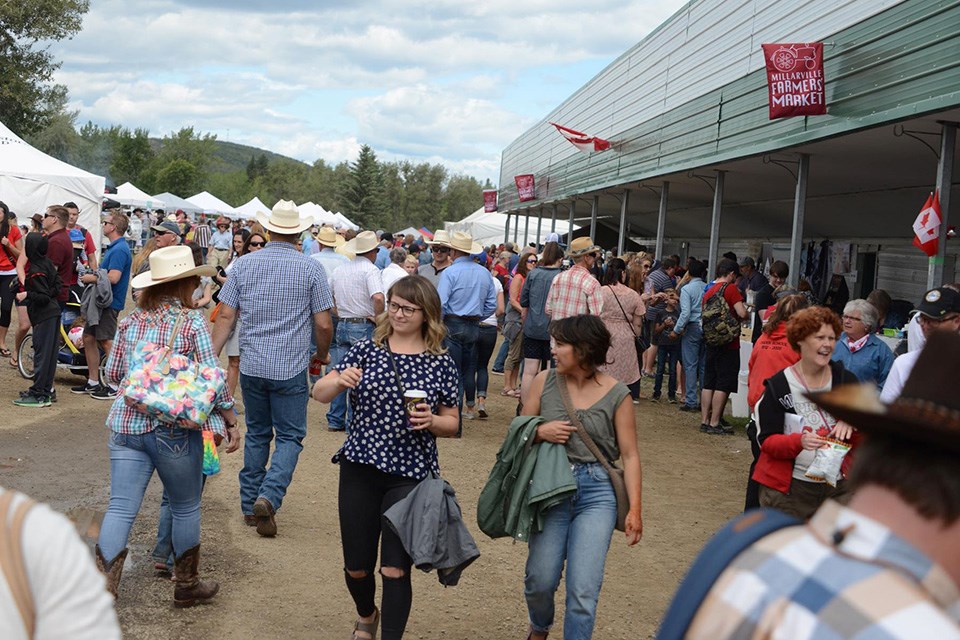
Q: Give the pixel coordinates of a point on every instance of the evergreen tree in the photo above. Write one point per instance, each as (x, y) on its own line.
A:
(363, 191)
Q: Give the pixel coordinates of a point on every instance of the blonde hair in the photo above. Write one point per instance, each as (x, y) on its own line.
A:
(422, 293)
(143, 255)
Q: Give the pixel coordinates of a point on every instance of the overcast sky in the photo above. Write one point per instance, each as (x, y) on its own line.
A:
(441, 81)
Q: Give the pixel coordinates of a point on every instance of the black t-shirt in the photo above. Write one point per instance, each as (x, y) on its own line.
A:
(763, 299)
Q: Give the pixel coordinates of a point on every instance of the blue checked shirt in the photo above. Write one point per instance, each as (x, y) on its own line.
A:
(797, 583)
(466, 289)
(276, 291)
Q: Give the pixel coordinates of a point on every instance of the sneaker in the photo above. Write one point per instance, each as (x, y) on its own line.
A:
(636, 401)
(496, 373)
(724, 430)
(33, 401)
(263, 511)
(53, 395)
(654, 398)
(705, 428)
(469, 415)
(724, 423)
(672, 400)
(686, 407)
(84, 389)
(481, 410)
(104, 392)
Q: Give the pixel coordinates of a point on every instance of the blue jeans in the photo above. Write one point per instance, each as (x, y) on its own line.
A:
(163, 551)
(462, 336)
(276, 412)
(667, 356)
(501, 359)
(481, 360)
(578, 531)
(692, 356)
(177, 456)
(345, 336)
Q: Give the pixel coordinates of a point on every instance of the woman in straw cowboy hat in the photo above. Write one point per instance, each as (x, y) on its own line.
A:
(140, 444)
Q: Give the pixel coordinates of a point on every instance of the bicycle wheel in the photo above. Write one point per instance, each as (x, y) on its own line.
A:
(25, 357)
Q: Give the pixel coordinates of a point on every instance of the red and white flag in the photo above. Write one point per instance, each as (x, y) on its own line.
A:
(582, 141)
(926, 228)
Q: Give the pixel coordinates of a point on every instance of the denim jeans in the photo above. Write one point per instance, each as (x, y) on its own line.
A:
(501, 359)
(481, 361)
(692, 356)
(462, 337)
(177, 456)
(276, 412)
(345, 336)
(163, 551)
(578, 531)
(667, 355)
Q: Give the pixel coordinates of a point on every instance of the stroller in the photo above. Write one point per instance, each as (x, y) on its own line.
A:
(69, 357)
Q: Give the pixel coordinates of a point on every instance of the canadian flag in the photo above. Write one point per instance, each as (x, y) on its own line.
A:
(582, 141)
(926, 228)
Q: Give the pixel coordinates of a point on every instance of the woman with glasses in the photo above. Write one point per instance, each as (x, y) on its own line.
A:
(858, 347)
(390, 447)
(533, 300)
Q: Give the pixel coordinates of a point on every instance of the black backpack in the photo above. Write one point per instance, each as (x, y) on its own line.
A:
(720, 326)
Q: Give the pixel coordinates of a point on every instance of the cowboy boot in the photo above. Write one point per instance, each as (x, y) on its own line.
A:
(190, 589)
(111, 570)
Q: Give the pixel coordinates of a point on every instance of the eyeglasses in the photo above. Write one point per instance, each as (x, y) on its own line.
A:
(935, 322)
(442, 249)
(107, 222)
(846, 317)
(393, 307)
(257, 244)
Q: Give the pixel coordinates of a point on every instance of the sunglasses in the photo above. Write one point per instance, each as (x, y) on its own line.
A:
(49, 215)
(442, 250)
(257, 244)
(162, 233)
(531, 260)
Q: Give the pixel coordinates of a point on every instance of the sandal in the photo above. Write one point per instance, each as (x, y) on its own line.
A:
(14, 363)
(5, 353)
(366, 627)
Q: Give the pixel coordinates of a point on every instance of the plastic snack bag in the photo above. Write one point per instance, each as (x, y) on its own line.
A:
(827, 461)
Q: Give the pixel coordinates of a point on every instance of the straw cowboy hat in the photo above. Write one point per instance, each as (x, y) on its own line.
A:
(284, 219)
(440, 239)
(171, 263)
(927, 411)
(460, 241)
(328, 237)
(365, 242)
(581, 247)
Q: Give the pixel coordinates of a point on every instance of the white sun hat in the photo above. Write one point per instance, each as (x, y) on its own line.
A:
(284, 219)
(170, 263)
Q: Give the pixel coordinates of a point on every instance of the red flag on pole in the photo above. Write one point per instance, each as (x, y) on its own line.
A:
(926, 228)
(582, 141)
(489, 200)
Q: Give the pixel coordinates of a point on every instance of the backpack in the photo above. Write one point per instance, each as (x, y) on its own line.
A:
(720, 327)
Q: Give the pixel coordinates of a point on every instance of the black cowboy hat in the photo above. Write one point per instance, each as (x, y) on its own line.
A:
(928, 409)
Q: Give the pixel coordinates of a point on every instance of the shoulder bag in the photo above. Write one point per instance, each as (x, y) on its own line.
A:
(615, 473)
(12, 565)
(172, 387)
(641, 342)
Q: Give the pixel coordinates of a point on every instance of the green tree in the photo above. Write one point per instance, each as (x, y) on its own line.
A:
(59, 138)
(94, 152)
(232, 187)
(28, 99)
(179, 177)
(132, 154)
(363, 191)
(462, 196)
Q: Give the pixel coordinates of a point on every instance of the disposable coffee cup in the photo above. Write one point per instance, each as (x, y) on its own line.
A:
(411, 398)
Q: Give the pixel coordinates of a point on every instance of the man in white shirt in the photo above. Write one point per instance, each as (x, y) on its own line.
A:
(939, 311)
(394, 271)
(359, 298)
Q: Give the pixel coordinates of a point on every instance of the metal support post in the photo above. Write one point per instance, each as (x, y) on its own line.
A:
(715, 222)
(573, 208)
(948, 143)
(539, 228)
(506, 230)
(593, 217)
(662, 219)
(799, 209)
(621, 239)
(553, 220)
(526, 228)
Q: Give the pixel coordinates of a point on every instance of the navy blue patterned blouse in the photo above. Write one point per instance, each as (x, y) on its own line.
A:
(379, 433)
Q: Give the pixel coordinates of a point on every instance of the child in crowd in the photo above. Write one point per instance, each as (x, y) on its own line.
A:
(41, 287)
(76, 332)
(668, 345)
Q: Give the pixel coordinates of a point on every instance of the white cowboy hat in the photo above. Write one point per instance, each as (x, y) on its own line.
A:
(284, 219)
(170, 263)
(328, 237)
(440, 238)
(364, 242)
(461, 241)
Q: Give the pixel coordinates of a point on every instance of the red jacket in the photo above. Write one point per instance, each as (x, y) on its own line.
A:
(771, 354)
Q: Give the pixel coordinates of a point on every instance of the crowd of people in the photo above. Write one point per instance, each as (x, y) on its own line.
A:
(396, 336)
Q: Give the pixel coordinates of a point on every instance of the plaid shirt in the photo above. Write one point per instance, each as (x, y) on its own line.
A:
(796, 583)
(276, 291)
(156, 326)
(572, 293)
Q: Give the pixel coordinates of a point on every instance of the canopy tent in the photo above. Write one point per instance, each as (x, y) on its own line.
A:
(491, 228)
(131, 196)
(343, 221)
(30, 181)
(248, 210)
(211, 204)
(320, 215)
(176, 202)
(409, 231)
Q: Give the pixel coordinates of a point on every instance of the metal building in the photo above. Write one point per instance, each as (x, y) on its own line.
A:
(697, 168)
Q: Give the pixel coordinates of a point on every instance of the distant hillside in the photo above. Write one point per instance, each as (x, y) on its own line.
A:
(230, 156)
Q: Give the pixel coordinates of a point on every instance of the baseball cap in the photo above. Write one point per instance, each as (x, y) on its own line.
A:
(167, 227)
(747, 261)
(939, 302)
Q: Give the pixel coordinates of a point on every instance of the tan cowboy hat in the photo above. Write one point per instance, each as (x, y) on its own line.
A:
(440, 239)
(581, 247)
(365, 242)
(170, 263)
(328, 237)
(928, 409)
(284, 219)
(461, 241)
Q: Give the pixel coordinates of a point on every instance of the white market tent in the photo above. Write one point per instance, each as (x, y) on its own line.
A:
(211, 204)
(319, 215)
(248, 210)
(343, 221)
(131, 196)
(30, 181)
(408, 231)
(490, 228)
(175, 202)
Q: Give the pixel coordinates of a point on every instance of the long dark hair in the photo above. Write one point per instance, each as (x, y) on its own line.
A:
(5, 223)
(614, 273)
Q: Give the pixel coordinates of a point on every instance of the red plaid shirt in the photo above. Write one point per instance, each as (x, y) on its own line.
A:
(572, 293)
(156, 326)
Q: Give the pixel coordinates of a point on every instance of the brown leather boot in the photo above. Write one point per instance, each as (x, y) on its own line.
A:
(111, 570)
(190, 588)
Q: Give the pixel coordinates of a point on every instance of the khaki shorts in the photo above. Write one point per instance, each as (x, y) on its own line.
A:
(106, 328)
(804, 497)
(514, 354)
